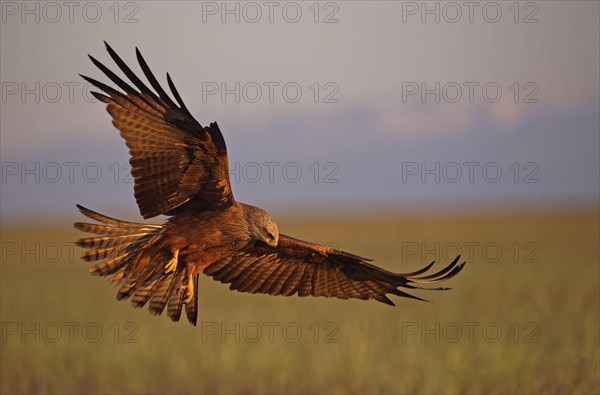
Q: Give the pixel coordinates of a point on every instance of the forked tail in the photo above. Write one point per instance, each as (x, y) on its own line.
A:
(132, 256)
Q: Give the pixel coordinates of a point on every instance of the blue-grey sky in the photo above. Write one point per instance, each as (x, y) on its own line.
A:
(322, 105)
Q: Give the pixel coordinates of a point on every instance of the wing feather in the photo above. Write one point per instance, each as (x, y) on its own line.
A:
(272, 283)
(299, 267)
(176, 164)
(292, 284)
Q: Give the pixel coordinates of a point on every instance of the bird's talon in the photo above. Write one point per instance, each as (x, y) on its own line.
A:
(187, 290)
(172, 264)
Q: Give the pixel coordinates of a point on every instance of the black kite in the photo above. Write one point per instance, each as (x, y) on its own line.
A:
(180, 170)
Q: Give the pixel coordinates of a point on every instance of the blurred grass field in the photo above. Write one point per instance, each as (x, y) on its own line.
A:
(541, 293)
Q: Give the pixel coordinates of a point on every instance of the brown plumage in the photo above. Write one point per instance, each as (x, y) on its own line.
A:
(180, 170)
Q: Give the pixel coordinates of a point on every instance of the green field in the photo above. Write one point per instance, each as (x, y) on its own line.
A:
(523, 317)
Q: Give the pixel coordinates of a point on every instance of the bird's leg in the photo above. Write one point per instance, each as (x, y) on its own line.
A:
(187, 290)
(171, 266)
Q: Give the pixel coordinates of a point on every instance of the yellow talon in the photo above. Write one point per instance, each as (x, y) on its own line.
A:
(187, 290)
(172, 264)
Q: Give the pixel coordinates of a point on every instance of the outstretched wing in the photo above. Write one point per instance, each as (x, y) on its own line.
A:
(175, 162)
(296, 266)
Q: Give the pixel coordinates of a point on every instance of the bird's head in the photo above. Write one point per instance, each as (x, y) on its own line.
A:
(261, 226)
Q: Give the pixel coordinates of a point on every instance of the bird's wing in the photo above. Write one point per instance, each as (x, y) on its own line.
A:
(175, 162)
(303, 268)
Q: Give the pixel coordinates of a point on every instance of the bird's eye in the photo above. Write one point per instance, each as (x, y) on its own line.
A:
(270, 236)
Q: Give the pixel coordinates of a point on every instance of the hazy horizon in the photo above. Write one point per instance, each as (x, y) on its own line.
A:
(358, 124)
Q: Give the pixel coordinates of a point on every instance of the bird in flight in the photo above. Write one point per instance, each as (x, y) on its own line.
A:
(180, 169)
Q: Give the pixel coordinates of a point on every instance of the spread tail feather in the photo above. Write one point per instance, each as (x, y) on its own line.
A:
(130, 255)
